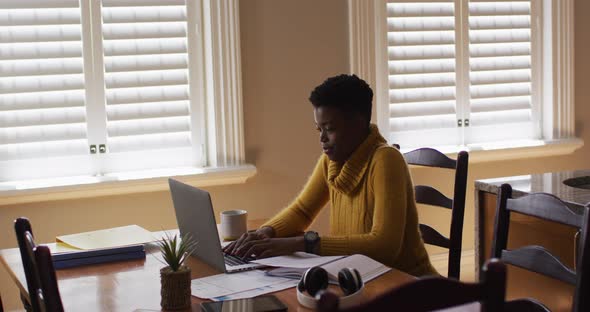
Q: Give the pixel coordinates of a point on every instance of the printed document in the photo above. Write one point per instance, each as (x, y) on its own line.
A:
(297, 260)
(368, 268)
(226, 284)
(259, 291)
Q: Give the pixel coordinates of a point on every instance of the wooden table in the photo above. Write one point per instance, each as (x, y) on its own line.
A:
(134, 285)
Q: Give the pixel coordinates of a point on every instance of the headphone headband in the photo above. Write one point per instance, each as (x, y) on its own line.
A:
(344, 302)
(349, 280)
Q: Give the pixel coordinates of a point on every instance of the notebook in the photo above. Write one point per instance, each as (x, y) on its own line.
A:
(66, 260)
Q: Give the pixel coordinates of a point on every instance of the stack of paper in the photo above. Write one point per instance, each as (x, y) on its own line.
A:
(293, 266)
(116, 244)
(368, 268)
(297, 260)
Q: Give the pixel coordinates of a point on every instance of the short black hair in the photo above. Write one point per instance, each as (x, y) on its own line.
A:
(348, 93)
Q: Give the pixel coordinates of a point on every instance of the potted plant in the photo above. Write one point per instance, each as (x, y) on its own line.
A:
(175, 278)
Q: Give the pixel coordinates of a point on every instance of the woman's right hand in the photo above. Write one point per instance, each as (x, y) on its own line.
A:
(261, 233)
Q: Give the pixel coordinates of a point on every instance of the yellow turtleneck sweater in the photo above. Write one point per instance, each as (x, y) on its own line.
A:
(373, 211)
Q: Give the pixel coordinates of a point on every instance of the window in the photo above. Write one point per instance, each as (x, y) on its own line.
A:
(460, 74)
(100, 87)
(147, 90)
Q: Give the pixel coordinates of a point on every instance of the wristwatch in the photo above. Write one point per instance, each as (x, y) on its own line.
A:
(312, 239)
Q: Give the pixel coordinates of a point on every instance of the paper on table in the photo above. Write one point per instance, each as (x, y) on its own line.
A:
(160, 235)
(258, 291)
(473, 306)
(297, 260)
(226, 284)
(367, 267)
(292, 273)
(61, 248)
(115, 237)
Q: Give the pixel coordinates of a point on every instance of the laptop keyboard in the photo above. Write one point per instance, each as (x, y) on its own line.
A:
(234, 261)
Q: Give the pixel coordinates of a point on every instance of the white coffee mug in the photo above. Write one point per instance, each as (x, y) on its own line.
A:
(234, 223)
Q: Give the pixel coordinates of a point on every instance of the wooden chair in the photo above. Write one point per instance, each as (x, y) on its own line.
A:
(39, 271)
(537, 258)
(50, 292)
(430, 196)
(434, 293)
(26, 243)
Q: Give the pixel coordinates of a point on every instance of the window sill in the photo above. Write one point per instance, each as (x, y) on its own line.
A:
(512, 149)
(19, 192)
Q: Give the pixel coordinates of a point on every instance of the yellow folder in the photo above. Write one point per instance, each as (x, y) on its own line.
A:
(108, 238)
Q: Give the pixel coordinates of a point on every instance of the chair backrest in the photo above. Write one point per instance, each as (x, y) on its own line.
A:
(436, 293)
(536, 258)
(39, 271)
(50, 291)
(430, 196)
(26, 244)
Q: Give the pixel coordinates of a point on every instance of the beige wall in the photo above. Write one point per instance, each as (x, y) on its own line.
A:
(288, 47)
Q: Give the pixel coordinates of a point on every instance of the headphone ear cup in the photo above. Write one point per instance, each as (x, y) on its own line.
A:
(301, 284)
(350, 281)
(314, 280)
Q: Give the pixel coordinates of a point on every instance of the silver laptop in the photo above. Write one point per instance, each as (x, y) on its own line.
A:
(194, 214)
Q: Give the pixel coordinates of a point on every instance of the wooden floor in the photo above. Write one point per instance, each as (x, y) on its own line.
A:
(439, 261)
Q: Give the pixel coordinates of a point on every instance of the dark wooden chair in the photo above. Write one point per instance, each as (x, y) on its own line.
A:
(430, 196)
(50, 291)
(537, 258)
(434, 293)
(26, 244)
(39, 271)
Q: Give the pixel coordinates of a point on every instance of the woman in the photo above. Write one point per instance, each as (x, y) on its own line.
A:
(366, 181)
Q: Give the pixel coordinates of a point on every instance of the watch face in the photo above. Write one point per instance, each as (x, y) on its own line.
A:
(311, 236)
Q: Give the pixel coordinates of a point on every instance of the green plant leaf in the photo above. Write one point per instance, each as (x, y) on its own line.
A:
(176, 250)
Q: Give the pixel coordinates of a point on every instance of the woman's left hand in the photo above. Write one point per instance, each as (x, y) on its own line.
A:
(270, 247)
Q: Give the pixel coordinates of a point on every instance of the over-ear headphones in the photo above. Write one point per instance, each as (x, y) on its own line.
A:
(315, 279)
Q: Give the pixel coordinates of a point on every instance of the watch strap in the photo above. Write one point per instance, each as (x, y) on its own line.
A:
(311, 244)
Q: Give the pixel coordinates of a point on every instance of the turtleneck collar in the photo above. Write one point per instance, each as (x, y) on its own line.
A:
(346, 176)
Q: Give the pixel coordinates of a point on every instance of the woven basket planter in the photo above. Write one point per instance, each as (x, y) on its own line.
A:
(176, 288)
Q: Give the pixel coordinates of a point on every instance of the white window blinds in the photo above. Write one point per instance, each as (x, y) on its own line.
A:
(422, 72)
(500, 71)
(97, 87)
(42, 97)
(146, 79)
(460, 72)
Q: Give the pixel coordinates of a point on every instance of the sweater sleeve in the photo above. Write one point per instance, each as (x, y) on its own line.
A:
(389, 179)
(301, 212)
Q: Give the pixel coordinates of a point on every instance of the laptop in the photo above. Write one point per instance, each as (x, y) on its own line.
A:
(194, 214)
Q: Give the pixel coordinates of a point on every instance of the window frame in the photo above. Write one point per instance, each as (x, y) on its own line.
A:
(368, 52)
(96, 107)
(215, 43)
